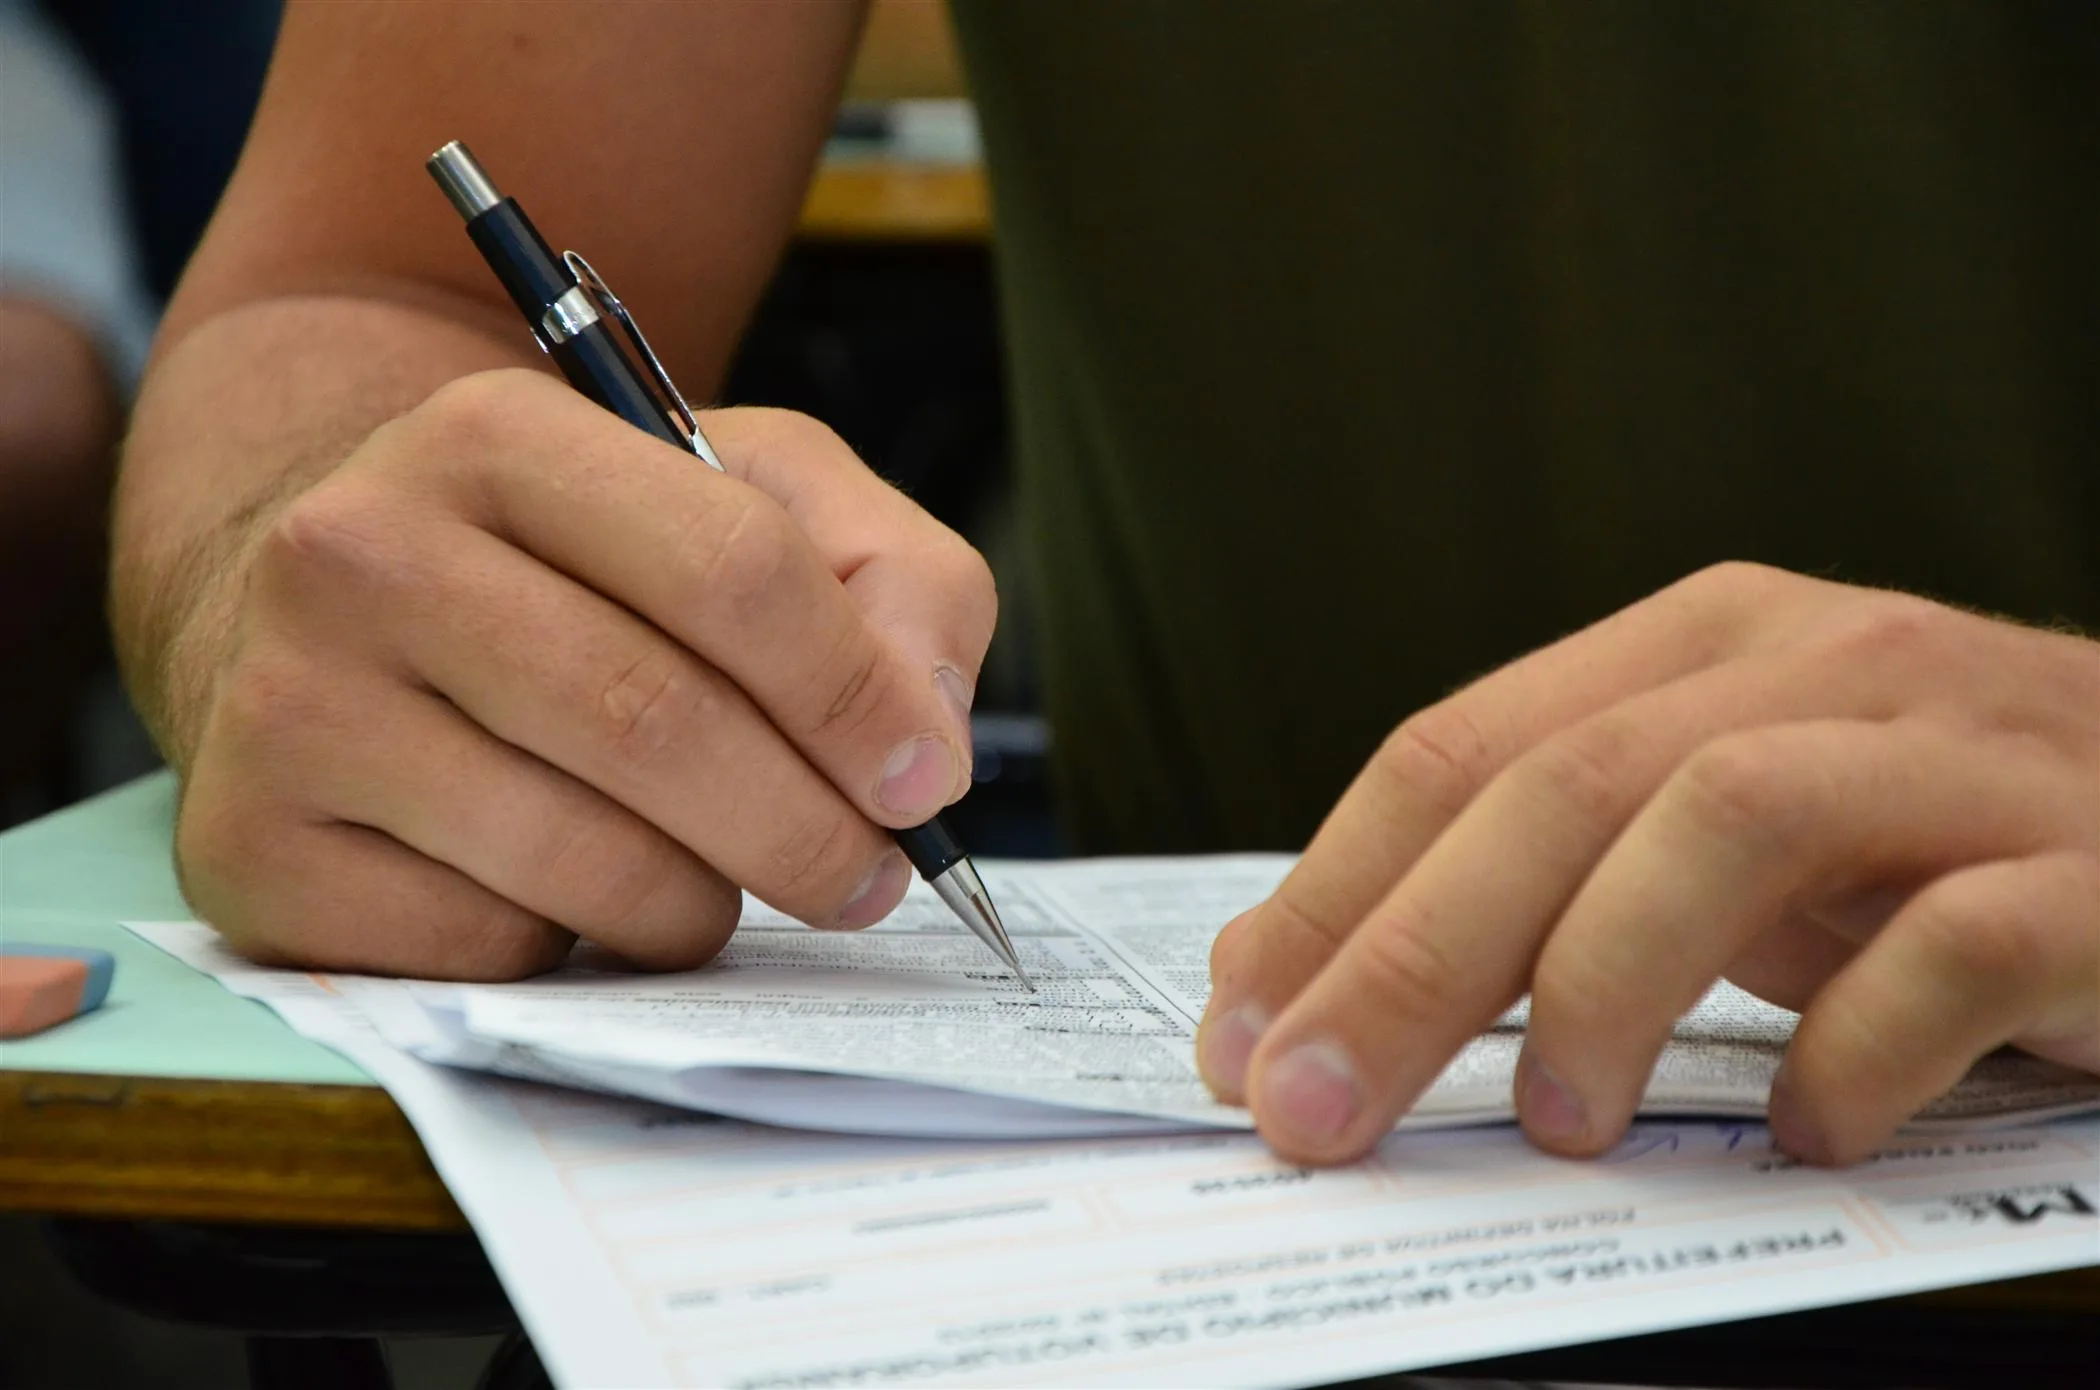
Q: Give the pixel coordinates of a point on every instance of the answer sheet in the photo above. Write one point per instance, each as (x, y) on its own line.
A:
(650, 1246)
(919, 1030)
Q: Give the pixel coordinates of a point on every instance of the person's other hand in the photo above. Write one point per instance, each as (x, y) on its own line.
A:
(515, 671)
(1877, 810)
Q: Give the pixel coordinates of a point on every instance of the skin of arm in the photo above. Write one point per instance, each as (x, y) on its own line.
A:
(454, 664)
(334, 289)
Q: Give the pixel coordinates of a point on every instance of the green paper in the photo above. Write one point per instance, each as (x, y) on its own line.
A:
(69, 880)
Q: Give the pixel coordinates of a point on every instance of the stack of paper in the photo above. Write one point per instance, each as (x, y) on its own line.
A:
(914, 1029)
(653, 1246)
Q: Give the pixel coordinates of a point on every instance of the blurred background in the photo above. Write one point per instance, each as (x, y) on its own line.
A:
(120, 121)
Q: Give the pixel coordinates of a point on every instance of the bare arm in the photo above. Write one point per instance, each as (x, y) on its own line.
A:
(334, 290)
(455, 665)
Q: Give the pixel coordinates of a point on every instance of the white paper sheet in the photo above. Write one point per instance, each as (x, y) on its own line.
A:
(646, 1246)
(913, 1027)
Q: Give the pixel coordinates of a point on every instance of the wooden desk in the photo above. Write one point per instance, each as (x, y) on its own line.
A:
(907, 52)
(196, 1149)
(180, 1101)
(176, 1099)
(896, 201)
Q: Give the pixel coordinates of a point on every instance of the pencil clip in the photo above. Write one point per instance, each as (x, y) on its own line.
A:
(594, 285)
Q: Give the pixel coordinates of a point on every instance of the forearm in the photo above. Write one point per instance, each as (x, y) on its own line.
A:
(245, 412)
(334, 290)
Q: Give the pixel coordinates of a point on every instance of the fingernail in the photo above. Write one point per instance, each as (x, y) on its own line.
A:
(956, 691)
(1310, 1093)
(877, 894)
(1226, 1046)
(1548, 1108)
(918, 778)
(1794, 1130)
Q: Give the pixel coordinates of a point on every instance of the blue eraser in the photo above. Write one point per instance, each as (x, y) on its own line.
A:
(101, 968)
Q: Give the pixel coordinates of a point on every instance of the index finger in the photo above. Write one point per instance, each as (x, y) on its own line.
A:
(1430, 770)
(723, 568)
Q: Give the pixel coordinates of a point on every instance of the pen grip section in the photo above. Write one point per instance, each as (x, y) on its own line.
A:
(931, 849)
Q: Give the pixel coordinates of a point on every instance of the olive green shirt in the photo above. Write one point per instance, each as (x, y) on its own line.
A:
(1357, 348)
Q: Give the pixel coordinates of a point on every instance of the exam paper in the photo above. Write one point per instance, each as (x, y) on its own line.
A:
(913, 1028)
(650, 1246)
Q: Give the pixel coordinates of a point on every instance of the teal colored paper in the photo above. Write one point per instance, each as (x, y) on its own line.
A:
(68, 880)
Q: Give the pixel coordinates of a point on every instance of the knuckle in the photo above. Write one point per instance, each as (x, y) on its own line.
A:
(736, 552)
(474, 413)
(816, 860)
(1849, 1058)
(1439, 754)
(646, 707)
(1572, 991)
(272, 699)
(407, 924)
(790, 432)
(1584, 770)
(1753, 787)
(1730, 581)
(1406, 971)
(332, 536)
(407, 921)
(1298, 926)
(1717, 609)
(2059, 688)
(1977, 931)
(968, 575)
(1891, 632)
(966, 580)
(858, 689)
(627, 874)
(502, 944)
(1276, 944)
(209, 837)
(973, 574)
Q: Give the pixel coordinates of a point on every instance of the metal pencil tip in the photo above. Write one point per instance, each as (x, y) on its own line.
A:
(965, 894)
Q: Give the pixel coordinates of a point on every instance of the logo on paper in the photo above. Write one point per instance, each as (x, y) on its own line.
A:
(2023, 1206)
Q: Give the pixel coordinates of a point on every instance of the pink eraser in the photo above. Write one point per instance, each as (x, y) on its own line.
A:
(44, 985)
